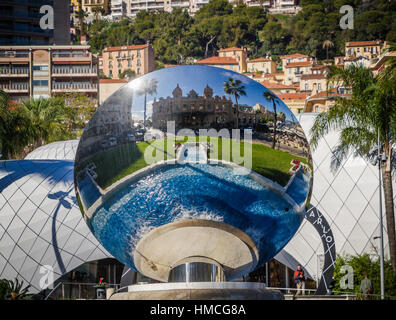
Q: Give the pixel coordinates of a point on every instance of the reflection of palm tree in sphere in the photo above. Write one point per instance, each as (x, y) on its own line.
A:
(235, 88)
(149, 86)
(270, 96)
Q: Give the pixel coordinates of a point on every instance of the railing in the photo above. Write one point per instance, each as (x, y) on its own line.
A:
(13, 87)
(74, 86)
(73, 71)
(76, 290)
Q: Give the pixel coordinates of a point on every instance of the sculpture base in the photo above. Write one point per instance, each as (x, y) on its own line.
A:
(199, 291)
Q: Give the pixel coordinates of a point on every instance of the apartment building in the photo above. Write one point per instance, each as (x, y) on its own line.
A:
(264, 65)
(108, 86)
(279, 88)
(313, 83)
(43, 71)
(118, 9)
(20, 23)
(138, 58)
(221, 62)
(295, 70)
(239, 54)
(368, 49)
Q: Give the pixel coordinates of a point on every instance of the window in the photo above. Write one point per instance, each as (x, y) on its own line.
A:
(319, 87)
(306, 87)
(138, 70)
(138, 62)
(119, 64)
(110, 55)
(138, 53)
(299, 110)
(129, 63)
(40, 68)
(110, 73)
(40, 83)
(110, 64)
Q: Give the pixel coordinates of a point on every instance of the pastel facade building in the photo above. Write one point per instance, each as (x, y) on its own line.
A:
(368, 49)
(261, 65)
(138, 58)
(239, 54)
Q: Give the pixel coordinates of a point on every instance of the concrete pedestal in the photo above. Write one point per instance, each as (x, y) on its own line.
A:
(199, 291)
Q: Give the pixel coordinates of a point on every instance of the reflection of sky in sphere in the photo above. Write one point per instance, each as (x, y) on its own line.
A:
(197, 77)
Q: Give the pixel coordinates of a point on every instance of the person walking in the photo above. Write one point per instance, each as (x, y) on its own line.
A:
(366, 287)
(299, 279)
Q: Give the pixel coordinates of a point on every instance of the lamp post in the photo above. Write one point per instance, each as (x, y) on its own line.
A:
(379, 159)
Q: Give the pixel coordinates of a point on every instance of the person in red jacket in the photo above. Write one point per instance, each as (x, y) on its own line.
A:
(299, 278)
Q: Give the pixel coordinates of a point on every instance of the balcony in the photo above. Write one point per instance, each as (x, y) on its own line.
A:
(69, 57)
(7, 72)
(74, 87)
(74, 73)
(15, 87)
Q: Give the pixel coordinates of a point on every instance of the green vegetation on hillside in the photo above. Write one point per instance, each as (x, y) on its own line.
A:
(178, 38)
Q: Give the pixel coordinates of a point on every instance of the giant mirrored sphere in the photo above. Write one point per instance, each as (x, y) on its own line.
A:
(193, 164)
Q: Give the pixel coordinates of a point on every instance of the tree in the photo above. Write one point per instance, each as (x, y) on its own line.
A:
(14, 127)
(368, 111)
(272, 97)
(128, 73)
(236, 89)
(49, 120)
(361, 265)
(326, 45)
(149, 86)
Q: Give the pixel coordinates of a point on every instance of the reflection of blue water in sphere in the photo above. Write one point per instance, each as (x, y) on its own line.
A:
(201, 191)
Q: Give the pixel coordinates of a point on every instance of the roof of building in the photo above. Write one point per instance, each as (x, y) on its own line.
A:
(295, 55)
(276, 85)
(262, 59)
(363, 43)
(328, 94)
(218, 60)
(113, 80)
(299, 64)
(293, 96)
(131, 47)
(231, 49)
(60, 150)
(320, 66)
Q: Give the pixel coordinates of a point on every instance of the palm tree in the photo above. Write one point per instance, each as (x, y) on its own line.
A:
(368, 111)
(50, 120)
(271, 96)
(14, 289)
(235, 88)
(326, 45)
(149, 86)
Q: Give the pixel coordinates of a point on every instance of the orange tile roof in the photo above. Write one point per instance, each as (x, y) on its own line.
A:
(293, 96)
(320, 66)
(113, 81)
(295, 55)
(230, 49)
(362, 43)
(131, 47)
(262, 59)
(298, 64)
(276, 85)
(327, 94)
(218, 60)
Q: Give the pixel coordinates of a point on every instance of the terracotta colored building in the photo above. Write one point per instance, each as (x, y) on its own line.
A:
(138, 58)
(42, 71)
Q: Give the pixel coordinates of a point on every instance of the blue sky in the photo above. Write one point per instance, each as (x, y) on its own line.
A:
(197, 77)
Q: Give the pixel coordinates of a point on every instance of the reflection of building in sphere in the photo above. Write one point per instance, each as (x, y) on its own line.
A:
(195, 112)
(111, 121)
